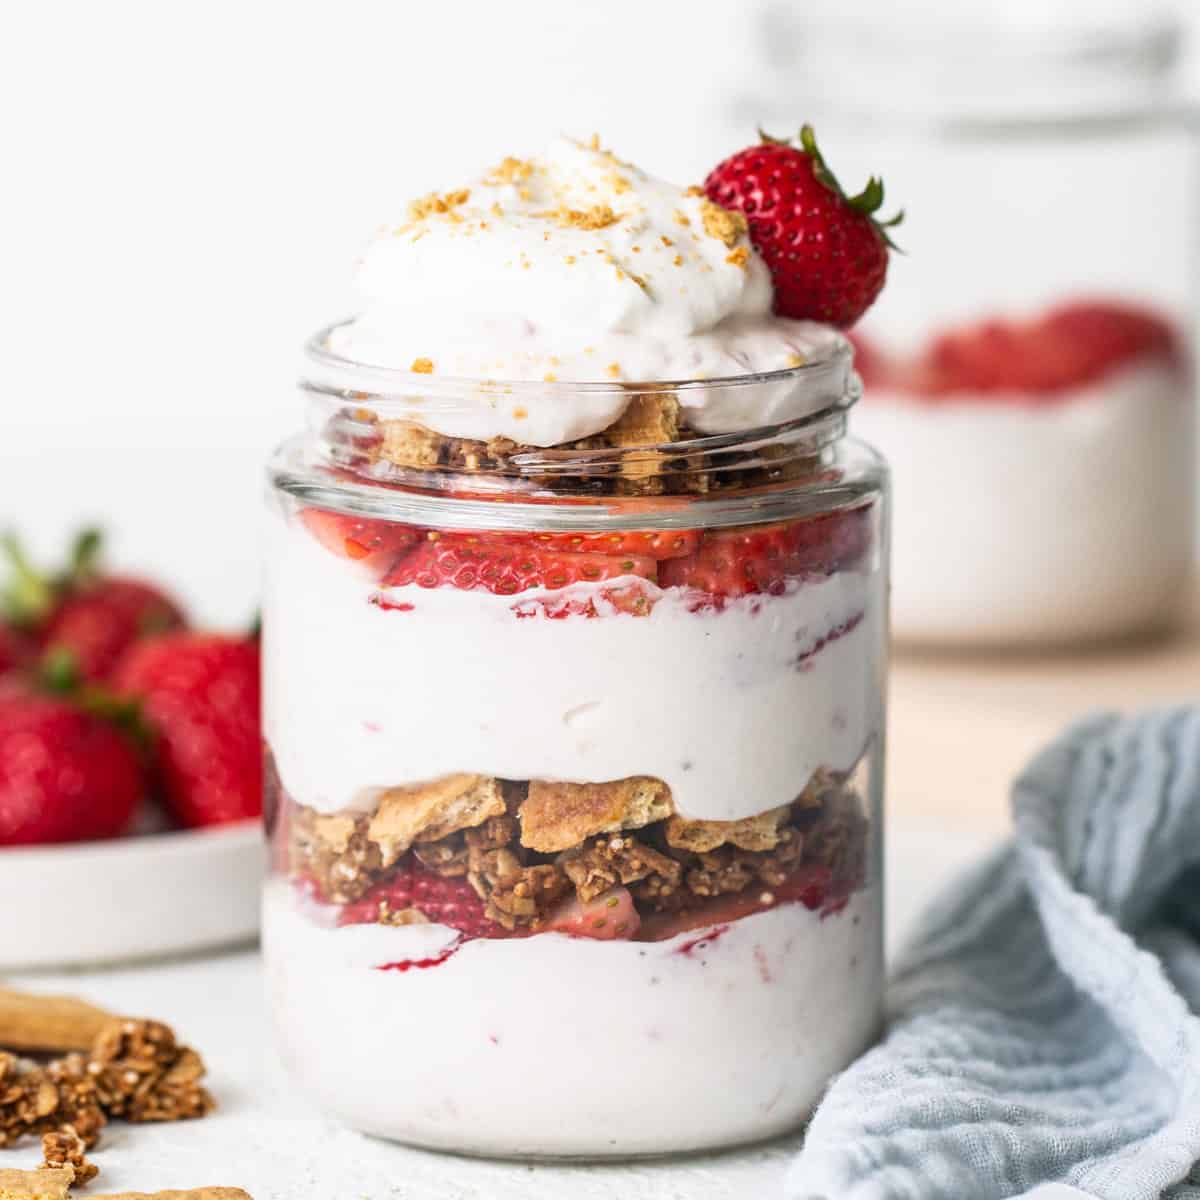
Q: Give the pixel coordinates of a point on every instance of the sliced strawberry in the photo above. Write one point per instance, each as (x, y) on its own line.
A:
(505, 568)
(810, 884)
(658, 544)
(443, 901)
(608, 917)
(372, 543)
(756, 559)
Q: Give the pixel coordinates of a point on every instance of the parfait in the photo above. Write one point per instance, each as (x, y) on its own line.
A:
(573, 664)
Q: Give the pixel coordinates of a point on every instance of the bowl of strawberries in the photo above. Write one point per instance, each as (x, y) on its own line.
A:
(130, 768)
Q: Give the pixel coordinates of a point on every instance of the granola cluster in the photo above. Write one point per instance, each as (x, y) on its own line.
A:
(525, 847)
(135, 1071)
(647, 454)
(65, 1148)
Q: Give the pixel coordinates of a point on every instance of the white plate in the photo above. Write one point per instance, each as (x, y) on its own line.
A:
(135, 897)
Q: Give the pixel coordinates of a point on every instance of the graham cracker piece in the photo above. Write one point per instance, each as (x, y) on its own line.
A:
(43, 1183)
(200, 1193)
(650, 419)
(48, 1024)
(556, 816)
(429, 811)
(761, 832)
(409, 445)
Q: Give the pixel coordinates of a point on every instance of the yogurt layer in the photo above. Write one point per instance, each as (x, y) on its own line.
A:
(713, 1037)
(734, 710)
(1019, 521)
(574, 266)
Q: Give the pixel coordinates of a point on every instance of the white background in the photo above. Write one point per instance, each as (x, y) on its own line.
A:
(185, 187)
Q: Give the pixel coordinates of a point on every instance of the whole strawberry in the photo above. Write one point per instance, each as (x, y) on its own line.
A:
(84, 612)
(199, 697)
(66, 775)
(827, 252)
(16, 649)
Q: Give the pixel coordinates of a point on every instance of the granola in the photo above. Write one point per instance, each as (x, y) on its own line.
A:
(143, 1074)
(546, 841)
(65, 1148)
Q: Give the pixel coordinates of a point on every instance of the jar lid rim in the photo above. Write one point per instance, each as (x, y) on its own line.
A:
(326, 369)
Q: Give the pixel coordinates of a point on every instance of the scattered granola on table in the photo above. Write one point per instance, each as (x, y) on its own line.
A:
(135, 1070)
(143, 1074)
(65, 1148)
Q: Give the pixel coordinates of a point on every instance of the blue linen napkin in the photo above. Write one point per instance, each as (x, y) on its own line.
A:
(1043, 1037)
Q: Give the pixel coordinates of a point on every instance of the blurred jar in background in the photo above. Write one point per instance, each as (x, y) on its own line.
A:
(1028, 369)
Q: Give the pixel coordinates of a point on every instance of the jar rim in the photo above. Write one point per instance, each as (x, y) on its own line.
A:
(331, 369)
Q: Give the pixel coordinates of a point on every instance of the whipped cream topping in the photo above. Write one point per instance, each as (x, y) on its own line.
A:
(574, 266)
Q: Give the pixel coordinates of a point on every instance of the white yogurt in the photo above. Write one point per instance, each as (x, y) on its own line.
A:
(1039, 522)
(655, 1047)
(730, 708)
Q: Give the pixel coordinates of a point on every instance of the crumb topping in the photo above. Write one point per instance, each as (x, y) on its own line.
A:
(441, 203)
(509, 170)
(422, 366)
(598, 216)
(721, 223)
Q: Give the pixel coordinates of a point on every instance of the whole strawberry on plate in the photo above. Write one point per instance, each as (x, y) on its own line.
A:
(199, 697)
(84, 610)
(67, 774)
(827, 251)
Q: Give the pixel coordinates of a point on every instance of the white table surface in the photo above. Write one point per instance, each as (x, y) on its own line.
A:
(268, 1140)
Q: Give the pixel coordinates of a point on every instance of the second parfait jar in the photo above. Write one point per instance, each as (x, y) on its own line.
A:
(574, 762)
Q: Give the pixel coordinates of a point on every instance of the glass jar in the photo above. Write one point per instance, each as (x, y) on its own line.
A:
(574, 761)
(1029, 366)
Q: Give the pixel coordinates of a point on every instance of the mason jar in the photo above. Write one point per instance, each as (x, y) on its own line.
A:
(1028, 370)
(574, 761)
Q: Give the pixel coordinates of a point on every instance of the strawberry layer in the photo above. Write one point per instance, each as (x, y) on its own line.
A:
(1031, 522)
(564, 1046)
(733, 708)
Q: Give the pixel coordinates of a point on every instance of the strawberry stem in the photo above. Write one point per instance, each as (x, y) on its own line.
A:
(85, 558)
(28, 596)
(868, 202)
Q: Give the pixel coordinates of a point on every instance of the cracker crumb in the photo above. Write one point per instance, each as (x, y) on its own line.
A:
(570, 260)
(620, 184)
(599, 216)
(613, 369)
(666, 241)
(422, 366)
(721, 223)
(681, 218)
(694, 190)
(550, 377)
(520, 413)
(443, 203)
(510, 170)
(739, 257)
(796, 360)
(679, 260)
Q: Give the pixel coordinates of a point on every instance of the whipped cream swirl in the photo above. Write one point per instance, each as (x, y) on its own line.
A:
(573, 266)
